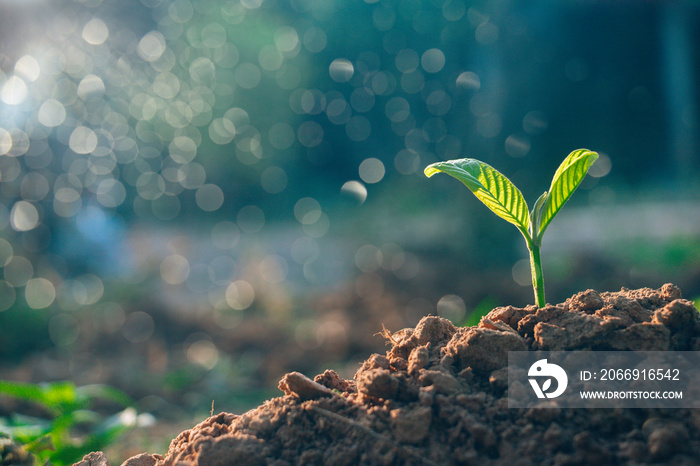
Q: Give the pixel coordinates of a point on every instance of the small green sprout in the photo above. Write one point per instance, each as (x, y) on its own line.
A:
(506, 201)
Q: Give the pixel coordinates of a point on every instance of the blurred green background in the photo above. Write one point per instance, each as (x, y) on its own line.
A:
(198, 196)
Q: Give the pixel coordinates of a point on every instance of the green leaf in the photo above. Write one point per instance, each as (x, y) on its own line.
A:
(490, 187)
(566, 179)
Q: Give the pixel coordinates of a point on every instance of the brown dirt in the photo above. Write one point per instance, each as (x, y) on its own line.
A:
(439, 396)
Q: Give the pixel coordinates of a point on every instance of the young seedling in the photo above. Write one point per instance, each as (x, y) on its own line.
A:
(506, 201)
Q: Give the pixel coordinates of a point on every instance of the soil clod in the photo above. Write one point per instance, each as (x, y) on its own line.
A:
(299, 385)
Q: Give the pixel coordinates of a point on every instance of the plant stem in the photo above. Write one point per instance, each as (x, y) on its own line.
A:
(536, 270)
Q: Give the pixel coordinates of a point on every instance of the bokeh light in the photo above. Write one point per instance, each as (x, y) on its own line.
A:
(14, 91)
(40, 293)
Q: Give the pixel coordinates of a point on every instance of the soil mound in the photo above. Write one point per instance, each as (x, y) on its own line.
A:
(439, 396)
